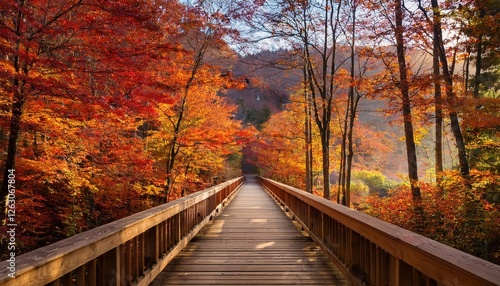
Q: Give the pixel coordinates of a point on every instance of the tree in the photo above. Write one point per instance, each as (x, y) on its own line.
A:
(398, 78)
(31, 34)
(310, 26)
(205, 26)
(320, 75)
(280, 151)
(73, 97)
(450, 94)
(307, 132)
(204, 139)
(356, 73)
(477, 19)
(404, 88)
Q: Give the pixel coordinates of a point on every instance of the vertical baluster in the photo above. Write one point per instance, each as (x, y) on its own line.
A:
(355, 256)
(321, 226)
(174, 231)
(127, 260)
(393, 271)
(191, 219)
(186, 222)
(161, 234)
(373, 263)
(178, 227)
(134, 258)
(378, 265)
(348, 247)
(367, 257)
(92, 273)
(338, 238)
(142, 254)
(67, 280)
(405, 274)
(326, 226)
(170, 233)
(385, 268)
(80, 276)
(331, 230)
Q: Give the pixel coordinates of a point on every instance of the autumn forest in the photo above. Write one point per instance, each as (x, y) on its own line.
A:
(108, 108)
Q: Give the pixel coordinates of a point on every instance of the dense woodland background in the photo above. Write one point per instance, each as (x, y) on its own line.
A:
(107, 109)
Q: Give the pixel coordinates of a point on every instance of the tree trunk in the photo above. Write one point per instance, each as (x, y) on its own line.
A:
(404, 88)
(343, 155)
(325, 147)
(307, 134)
(450, 95)
(320, 77)
(15, 127)
(16, 113)
(173, 148)
(438, 104)
(479, 62)
(174, 145)
(352, 109)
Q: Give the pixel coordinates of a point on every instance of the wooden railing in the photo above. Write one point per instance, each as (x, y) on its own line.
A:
(372, 252)
(129, 251)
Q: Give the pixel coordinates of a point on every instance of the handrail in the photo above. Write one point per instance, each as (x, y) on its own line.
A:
(129, 251)
(374, 252)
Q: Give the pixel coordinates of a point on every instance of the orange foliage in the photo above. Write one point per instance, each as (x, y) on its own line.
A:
(462, 213)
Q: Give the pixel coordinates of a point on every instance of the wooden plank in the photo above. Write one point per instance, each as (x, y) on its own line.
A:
(251, 243)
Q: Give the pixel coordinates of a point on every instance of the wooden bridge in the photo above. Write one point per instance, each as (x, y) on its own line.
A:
(236, 234)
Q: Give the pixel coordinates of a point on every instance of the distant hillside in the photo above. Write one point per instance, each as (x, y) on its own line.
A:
(271, 77)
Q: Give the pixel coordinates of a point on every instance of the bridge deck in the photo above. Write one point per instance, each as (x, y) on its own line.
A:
(251, 243)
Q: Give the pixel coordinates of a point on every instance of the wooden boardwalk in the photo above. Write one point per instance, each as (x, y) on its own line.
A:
(252, 242)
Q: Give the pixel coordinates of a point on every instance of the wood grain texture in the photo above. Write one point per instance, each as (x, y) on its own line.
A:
(251, 243)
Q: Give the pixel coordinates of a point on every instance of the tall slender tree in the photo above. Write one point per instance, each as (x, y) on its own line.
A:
(403, 83)
(307, 132)
(321, 66)
(450, 94)
(353, 98)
